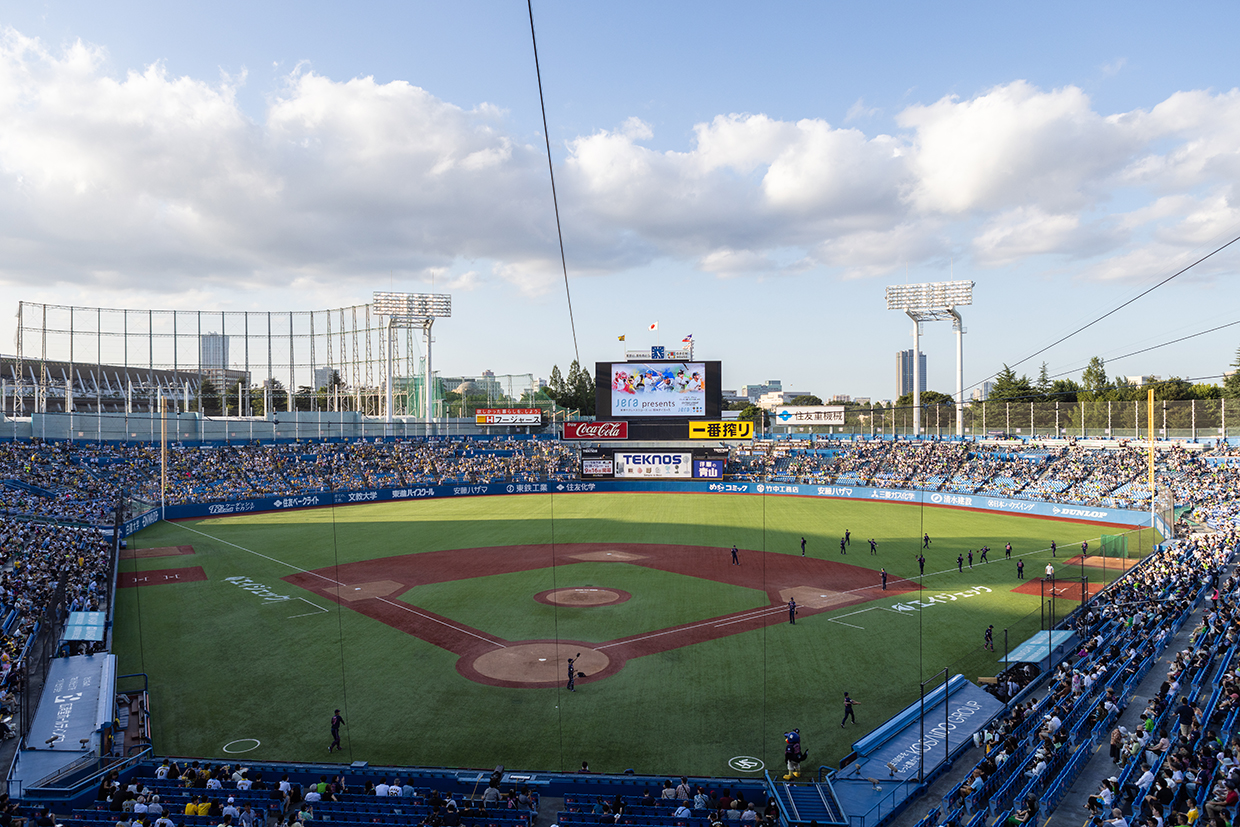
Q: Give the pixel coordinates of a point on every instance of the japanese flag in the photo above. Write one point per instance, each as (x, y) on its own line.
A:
(654, 326)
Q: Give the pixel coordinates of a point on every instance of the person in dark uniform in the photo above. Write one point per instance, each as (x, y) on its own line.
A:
(842, 551)
(849, 703)
(1020, 569)
(960, 562)
(970, 558)
(1084, 547)
(873, 546)
(985, 551)
(921, 563)
(925, 540)
(336, 722)
(802, 546)
(883, 574)
(1052, 548)
(572, 672)
(847, 537)
(792, 611)
(1007, 552)
(990, 637)
(735, 560)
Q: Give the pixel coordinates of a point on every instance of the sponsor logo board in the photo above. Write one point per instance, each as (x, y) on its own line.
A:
(740, 429)
(596, 430)
(652, 465)
(508, 416)
(809, 415)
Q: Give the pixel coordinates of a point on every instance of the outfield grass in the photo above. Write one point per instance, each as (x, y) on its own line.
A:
(225, 664)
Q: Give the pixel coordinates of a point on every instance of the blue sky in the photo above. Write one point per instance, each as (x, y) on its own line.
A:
(753, 174)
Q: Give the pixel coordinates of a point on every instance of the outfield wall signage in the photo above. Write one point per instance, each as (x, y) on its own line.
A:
(740, 429)
(596, 430)
(653, 465)
(809, 415)
(654, 484)
(508, 416)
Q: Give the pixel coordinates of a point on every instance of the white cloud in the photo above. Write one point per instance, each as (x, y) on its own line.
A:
(146, 183)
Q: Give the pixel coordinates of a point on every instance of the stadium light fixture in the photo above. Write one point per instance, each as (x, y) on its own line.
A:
(933, 302)
(411, 310)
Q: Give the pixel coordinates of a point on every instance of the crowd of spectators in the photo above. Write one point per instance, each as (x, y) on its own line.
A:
(83, 482)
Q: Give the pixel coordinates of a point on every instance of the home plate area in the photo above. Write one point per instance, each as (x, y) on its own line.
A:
(373, 588)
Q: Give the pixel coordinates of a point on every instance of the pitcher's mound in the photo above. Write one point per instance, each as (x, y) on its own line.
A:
(582, 596)
(814, 597)
(609, 556)
(538, 663)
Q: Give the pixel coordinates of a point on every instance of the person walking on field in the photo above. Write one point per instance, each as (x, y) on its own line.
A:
(990, 637)
(970, 558)
(802, 546)
(883, 574)
(1007, 552)
(336, 722)
(921, 563)
(960, 562)
(1053, 548)
(873, 546)
(735, 560)
(572, 673)
(925, 540)
(842, 550)
(849, 703)
(792, 611)
(847, 537)
(1020, 569)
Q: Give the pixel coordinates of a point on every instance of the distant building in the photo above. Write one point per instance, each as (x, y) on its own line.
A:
(983, 393)
(1138, 381)
(861, 400)
(840, 399)
(904, 372)
(773, 399)
(323, 377)
(753, 392)
(213, 364)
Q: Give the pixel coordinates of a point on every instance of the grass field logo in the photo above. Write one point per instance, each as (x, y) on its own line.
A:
(257, 589)
(746, 763)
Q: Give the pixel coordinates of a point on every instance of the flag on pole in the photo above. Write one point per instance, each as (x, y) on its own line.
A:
(654, 326)
(619, 338)
(687, 339)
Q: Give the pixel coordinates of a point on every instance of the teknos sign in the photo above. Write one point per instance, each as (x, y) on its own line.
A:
(596, 430)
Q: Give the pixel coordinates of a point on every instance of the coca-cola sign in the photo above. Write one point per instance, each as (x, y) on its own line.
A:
(596, 430)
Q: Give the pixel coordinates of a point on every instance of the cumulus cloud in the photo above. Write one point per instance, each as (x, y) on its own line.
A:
(145, 181)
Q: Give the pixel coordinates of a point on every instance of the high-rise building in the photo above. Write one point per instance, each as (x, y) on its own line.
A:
(213, 351)
(904, 372)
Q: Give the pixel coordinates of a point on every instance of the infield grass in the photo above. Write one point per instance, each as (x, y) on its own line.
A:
(227, 664)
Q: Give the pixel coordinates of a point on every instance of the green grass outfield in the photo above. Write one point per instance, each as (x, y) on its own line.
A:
(226, 665)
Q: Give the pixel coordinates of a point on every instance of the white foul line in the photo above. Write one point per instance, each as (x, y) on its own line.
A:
(403, 606)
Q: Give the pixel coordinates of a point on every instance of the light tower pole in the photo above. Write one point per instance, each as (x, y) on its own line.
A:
(933, 302)
(405, 311)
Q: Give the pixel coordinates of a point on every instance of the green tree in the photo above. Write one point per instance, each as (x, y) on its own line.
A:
(1231, 382)
(927, 398)
(805, 399)
(1204, 391)
(1094, 382)
(752, 414)
(1043, 385)
(1010, 386)
(1063, 390)
(279, 396)
(208, 398)
(555, 385)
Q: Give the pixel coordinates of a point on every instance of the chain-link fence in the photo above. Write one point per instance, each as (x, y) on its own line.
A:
(1097, 419)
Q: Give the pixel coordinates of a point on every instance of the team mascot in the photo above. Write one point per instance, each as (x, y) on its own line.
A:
(793, 754)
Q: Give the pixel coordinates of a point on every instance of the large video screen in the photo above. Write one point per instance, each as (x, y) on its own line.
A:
(658, 389)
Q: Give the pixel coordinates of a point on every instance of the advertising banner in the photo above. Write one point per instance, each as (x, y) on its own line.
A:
(596, 430)
(738, 429)
(653, 465)
(809, 415)
(708, 469)
(665, 389)
(508, 416)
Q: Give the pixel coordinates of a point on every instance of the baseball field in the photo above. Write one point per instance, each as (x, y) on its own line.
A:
(442, 629)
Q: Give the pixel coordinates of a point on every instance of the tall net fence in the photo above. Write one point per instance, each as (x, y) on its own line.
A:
(1097, 419)
(94, 359)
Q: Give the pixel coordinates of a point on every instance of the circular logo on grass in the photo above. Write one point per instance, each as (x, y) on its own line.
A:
(746, 763)
(242, 745)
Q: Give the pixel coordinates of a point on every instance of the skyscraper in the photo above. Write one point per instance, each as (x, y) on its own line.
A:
(904, 372)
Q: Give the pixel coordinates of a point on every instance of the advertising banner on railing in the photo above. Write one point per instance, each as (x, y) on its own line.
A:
(1079, 513)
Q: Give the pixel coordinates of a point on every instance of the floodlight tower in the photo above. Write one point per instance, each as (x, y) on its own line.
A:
(405, 311)
(934, 302)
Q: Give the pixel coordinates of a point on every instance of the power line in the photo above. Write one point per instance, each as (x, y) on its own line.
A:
(1155, 347)
(551, 169)
(1116, 309)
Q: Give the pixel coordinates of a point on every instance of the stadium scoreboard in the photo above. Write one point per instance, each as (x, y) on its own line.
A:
(659, 399)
